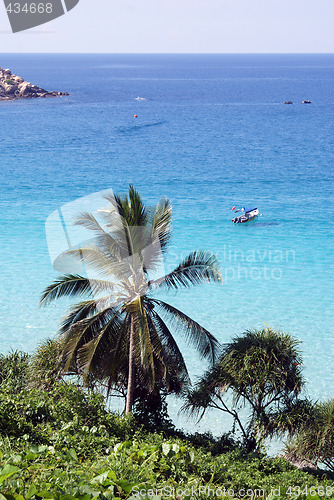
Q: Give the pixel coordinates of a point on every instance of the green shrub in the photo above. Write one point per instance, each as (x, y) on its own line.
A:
(64, 444)
(151, 462)
(150, 411)
(37, 414)
(59, 441)
(14, 371)
(44, 368)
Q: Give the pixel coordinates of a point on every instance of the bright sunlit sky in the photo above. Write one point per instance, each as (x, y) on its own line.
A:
(181, 26)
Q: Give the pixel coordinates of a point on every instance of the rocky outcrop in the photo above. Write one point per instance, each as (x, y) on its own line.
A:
(14, 87)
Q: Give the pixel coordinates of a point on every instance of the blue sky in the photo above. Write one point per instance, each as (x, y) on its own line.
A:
(181, 26)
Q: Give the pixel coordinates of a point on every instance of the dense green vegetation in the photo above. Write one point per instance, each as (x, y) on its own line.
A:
(63, 443)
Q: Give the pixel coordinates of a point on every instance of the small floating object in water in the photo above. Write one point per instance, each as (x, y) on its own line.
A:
(140, 98)
(135, 116)
(248, 215)
(287, 102)
(306, 102)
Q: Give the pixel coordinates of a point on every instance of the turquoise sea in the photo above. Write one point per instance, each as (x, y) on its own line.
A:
(212, 133)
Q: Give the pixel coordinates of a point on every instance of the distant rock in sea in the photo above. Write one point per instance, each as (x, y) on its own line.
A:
(14, 87)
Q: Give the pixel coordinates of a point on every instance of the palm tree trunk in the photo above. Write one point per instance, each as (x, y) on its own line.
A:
(131, 375)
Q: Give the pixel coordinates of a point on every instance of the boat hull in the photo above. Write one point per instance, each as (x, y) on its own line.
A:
(247, 217)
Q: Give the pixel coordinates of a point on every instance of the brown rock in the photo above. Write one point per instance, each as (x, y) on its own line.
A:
(15, 87)
(10, 89)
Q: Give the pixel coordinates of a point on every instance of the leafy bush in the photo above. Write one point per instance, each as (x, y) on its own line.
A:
(47, 471)
(63, 443)
(44, 367)
(37, 415)
(59, 441)
(150, 411)
(216, 446)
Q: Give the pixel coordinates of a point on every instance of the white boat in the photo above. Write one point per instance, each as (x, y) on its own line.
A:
(248, 215)
(140, 99)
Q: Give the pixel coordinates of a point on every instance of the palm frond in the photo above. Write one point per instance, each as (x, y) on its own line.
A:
(78, 312)
(196, 269)
(130, 208)
(82, 332)
(85, 310)
(72, 285)
(113, 241)
(115, 361)
(161, 223)
(203, 341)
(137, 208)
(197, 401)
(90, 349)
(89, 222)
(102, 264)
(169, 343)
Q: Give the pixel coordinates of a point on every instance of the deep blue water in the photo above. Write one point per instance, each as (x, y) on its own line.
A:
(213, 133)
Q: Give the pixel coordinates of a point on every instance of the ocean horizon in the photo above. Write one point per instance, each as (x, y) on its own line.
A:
(211, 133)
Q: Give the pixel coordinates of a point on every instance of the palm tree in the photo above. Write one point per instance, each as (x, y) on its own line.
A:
(261, 370)
(120, 328)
